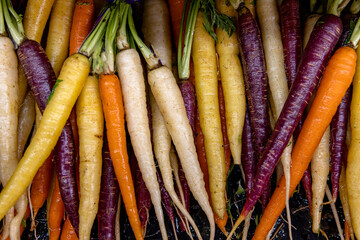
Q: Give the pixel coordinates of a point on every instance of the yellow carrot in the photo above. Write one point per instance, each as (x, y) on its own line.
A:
(232, 82)
(90, 122)
(206, 86)
(74, 72)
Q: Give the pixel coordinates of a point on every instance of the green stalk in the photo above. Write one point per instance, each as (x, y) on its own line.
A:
(14, 31)
(121, 40)
(355, 7)
(17, 17)
(97, 62)
(184, 59)
(2, 21)
(150, 58)
(355, 36)
(87, 48)
(336, 6)
(111, 28)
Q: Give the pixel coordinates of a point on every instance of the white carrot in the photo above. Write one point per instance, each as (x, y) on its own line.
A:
(132, 81)
(274, 57)
(320, 166)
(8, 118)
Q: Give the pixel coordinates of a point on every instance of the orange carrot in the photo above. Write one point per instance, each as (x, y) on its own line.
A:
(82, 22)
(111, 97)
(176, 8)
(335, 81)
(56, 212)
(68, 232)
(40, 185)
(347, 231)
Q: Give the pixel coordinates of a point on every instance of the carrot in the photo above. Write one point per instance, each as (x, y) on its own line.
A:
(56, 213)
(352, 167)
(73, 75)
(168, 97)
(57, 43)
(335, 81)
(143, 200)
(89, 111)
(176, 8)
(306, 181)
(9, 114)
(83, 18)
(67, 231)
(206, 86)
(109, 196)
(320, 166)
(35, 18)
(111, 97)
(309, 26)
(326, 33)
(345, 201)
(232, 82)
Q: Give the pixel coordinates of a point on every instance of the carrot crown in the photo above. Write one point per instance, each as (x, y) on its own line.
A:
(122, 38)
(96, 35)
(151, 59)
(336, 6)
(355, 7)
(355, 36)
(212, 19)
(13, 22)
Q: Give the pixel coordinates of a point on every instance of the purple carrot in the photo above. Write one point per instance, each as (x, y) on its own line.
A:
(165, 197)
(109, 196)
(253, 60)
(338, 135)
(248, 156)
(186, 191)
(188, 93)
(339, 122)
(291, 37)
(306, 181)
(143, 200)
(321, 44)
(41, 79)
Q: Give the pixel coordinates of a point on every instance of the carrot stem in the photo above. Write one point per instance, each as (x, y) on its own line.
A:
(87, 48)
(122, 41)
(16, 33)
(150, 58)
(2, 21)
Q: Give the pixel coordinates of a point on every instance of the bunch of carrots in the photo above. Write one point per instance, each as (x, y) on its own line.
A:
(104, 105)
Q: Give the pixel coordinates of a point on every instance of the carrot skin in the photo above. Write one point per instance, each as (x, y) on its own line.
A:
(306, 181)
(188, 93)
(253, 60)
(83, 19)
(338, 135)
(291, 35)
(248, 155)
(321, 44)
(67, 231)
(66, 173)
(56, 213)
(32, 56)
(143, 200)
(335, 82)
(109, 195)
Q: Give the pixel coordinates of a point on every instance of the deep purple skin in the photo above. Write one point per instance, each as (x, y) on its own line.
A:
(143, 200)
(306, 181)
(41, 79)
(188, 93)
(248, 155)
(338, 128)
(38, 71)
(186, 191)
(109, 196)
(291, 37)
(66, 173)
(253, 60)
(321, 44)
